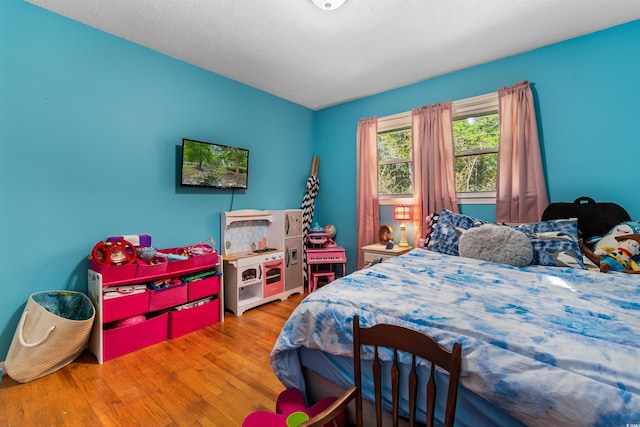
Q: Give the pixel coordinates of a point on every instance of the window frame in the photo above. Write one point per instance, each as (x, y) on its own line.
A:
(386, 124)
(472, 107)
(461, 109)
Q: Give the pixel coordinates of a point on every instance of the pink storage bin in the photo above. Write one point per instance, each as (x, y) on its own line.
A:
(119, 341)
(115, 273)
(182, 322)
(178, 264)
(199, 256)
(125, 306)
(165, 298)
(145, 269)
(203, 255)
(203, 288)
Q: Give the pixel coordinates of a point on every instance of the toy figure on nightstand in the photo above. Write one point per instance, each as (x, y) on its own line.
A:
(384, 236)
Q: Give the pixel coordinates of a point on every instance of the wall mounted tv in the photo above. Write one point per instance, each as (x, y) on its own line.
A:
(205, 164)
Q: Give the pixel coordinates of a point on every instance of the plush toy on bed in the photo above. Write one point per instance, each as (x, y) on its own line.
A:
(620, 259)
(496, 243)
(608, 242)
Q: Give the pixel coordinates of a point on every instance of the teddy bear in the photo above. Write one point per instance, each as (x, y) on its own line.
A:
(619, 259)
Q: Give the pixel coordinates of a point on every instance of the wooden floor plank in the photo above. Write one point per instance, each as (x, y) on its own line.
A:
(212, 377)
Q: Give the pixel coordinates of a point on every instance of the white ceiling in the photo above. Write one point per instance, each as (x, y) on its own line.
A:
(317, 58)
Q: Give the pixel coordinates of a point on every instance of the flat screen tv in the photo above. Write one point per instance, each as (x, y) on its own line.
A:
(205, 164)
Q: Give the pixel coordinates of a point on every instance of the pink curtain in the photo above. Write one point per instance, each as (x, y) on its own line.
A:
(367, 201)
(433, 162)
(521, 194)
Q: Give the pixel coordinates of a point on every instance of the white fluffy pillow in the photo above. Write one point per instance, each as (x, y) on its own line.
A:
(496, 243)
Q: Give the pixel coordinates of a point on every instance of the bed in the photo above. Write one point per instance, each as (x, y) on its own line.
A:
(542, 345)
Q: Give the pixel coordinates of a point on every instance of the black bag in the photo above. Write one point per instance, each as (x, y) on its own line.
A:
(594, 219)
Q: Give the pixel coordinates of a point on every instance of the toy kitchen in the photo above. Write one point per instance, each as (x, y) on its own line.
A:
(262, 253)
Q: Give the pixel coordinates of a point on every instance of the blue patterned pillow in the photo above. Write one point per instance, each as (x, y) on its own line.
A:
(447, 232)
(555, 242)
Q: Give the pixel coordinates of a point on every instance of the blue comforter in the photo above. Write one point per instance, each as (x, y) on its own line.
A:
(548, 345)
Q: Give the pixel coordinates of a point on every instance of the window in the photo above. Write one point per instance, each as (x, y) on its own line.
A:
(395, 165)
(476, 133)
(395, 159)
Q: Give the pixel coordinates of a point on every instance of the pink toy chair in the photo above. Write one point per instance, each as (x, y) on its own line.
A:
(291, 411)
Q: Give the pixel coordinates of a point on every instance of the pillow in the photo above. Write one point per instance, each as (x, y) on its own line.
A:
(496, 243)
(446, 233)
(555, 242)
(430, 223)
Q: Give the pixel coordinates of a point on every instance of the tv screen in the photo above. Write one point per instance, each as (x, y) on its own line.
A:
(206, 164)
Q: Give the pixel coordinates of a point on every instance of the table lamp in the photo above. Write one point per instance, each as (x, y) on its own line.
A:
(402, 213)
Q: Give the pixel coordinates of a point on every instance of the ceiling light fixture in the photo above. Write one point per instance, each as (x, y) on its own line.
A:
(328, 4)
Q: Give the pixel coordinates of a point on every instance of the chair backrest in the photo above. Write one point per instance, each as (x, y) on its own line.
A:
(405, 340)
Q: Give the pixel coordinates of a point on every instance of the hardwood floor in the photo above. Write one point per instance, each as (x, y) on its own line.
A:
(212, 377)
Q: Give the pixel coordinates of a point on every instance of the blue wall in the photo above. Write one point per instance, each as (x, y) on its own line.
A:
(587, 94)
(89, 125)
(89, 129)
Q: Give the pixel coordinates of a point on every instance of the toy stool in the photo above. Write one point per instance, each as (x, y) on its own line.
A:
(291, 411)
(329, 277)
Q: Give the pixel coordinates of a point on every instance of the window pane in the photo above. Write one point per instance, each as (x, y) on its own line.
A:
(476, 172)
(394, 145)
(475, 133)
(395, 179)
(394, 163)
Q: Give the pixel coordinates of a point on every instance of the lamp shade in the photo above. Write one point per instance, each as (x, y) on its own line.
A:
(402, 213)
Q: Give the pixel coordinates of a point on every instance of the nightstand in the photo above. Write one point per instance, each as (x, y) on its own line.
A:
(371, 252)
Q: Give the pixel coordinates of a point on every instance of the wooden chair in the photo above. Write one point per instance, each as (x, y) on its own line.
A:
(404, 340)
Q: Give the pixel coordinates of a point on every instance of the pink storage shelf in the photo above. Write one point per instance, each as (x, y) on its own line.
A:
(203, 288)
(182, 322)
(123, 340)
(166, 298)
(109, 342)
(125, 306)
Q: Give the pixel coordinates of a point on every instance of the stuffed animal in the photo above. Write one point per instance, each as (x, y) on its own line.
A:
(608, 242)
(620, 259)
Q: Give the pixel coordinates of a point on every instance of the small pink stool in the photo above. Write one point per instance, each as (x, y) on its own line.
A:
(329, 277)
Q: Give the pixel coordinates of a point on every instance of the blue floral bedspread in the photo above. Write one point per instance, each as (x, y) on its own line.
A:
(548, 345)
